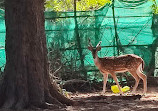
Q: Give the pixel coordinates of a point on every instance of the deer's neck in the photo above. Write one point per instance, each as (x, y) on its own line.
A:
(96, 61)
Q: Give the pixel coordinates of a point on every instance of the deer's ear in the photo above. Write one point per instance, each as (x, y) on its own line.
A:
(99, 44)
(90, 48)
(98, 48)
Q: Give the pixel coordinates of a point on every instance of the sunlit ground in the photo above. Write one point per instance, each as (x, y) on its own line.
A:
(113, 102)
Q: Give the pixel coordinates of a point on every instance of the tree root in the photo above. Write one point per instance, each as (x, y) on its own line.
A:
(61, 98)
(51, 100)
(49, 106)
(44, 106)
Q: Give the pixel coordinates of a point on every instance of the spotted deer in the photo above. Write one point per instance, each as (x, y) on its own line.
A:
(111, 65)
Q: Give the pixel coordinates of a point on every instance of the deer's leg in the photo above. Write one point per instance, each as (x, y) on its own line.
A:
(115, 79)
(137, 79)
(144, 78)
(105, 76)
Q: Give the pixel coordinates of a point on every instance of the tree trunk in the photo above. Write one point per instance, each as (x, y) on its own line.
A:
(77, 36)
(26, 79)
(154, 45)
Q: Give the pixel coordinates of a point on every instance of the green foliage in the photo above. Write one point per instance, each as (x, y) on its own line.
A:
(68, 5)
(154, 6)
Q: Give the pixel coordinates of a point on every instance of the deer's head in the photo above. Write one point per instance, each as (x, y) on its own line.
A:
(94, 50)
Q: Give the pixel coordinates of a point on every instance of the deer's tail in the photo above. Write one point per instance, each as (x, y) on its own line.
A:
(143, 63)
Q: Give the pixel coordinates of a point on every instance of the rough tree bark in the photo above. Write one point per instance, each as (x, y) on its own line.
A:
(153, 47)
(26, 79)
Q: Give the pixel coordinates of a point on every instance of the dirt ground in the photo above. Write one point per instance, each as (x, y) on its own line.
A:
(114, 102)
(111, 102)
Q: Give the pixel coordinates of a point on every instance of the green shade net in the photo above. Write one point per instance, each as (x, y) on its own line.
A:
(67, 41)
(2, 39)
